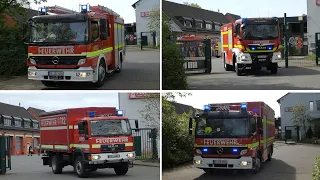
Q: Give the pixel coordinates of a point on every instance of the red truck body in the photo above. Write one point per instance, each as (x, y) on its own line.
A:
(237, 149)
(72, 133)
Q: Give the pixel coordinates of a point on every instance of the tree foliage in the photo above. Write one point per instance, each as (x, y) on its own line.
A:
(12, 7)
(151, 112)
(301, 117)
(173, 75)
(195, 5)
(177, 144)
(154, 20)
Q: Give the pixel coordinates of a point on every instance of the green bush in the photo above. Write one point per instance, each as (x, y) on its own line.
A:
(316, 170)
(173, 75)
(12, 51)
(177, 144)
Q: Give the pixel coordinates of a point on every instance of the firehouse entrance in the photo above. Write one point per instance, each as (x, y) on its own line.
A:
(292, 134)
(197, 55)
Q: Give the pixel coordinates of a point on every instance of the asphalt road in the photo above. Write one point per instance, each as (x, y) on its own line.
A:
(30, 168)
(300, 75)
(290, 162)
(141, 71)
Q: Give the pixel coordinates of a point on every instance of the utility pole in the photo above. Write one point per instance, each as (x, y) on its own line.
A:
(285, 33)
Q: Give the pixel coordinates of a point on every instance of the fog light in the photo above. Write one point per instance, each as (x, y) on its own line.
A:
(32, 73)
(197, 161)
(130, 155)
(95, 157)
(83, 74)
(244, 163)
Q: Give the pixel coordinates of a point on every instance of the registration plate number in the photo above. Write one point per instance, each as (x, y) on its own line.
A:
(114, 156)
(219, 161)
(262, 59)
(55, 73)
(262, 56)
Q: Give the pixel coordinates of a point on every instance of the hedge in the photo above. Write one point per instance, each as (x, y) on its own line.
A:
(177, 144)
(12, 51)
(316, 170)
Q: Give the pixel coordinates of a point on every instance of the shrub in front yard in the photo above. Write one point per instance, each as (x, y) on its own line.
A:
(316, 170)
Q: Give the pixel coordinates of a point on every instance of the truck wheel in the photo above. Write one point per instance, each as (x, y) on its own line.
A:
(226, 66)
(122, 169)
(118, 70)
(256, 165)
(56, 165)
(80, 169)
(49, 83)
(101, 74)
(274, 68)
(238, 70)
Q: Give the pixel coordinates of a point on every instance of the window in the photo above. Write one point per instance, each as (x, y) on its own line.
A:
(94, 31)
(318, 105)
(208, 26)
(27, 124)
(253, 125)
(311, 106)
(17, 123)
(217, 27)
(199, 24)
(35, 124)
(187, 24)
(237, 29)
(7, 121)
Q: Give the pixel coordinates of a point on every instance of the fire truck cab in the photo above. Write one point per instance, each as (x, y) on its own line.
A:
(230, 139)
(70, 46)
(251, 43)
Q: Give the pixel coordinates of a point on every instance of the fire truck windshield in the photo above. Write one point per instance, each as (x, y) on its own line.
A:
(110, 128)
(222, 128)
(59, 32)
(260, 31)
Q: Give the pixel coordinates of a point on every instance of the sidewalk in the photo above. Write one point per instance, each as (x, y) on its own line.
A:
(142, 163)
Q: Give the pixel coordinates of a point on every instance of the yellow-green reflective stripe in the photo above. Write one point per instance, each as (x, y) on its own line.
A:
(97, 53)
(253, 145)
(60, 147)
(225, 32)
(119, 46)
(80, 145)
(47, 146)
(71, 127)
(269, 122)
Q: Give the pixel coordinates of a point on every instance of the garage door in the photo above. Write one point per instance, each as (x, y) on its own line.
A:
(18, 145)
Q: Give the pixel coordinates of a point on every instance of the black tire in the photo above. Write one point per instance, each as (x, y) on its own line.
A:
(238, 70)
(256, 165)
(56, 164)
(80, 168)
(226, 66)
(121, 169)
(101, 74)
(49, 83)
(118, 70)
(274, 68)
(269, 157)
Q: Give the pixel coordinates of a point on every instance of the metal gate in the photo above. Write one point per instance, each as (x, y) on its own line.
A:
(5, 157)
(292, 134)
(18, 145)
(145, 143)
(196, 54)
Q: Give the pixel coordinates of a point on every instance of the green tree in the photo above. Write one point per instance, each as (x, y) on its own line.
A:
(195, 5)
(13, 7)
(177, 144)
(154, 20)
(173, 75)
(151, 112)
(301, 117)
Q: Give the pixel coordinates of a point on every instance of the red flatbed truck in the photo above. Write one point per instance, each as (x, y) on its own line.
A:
(234, 136)
(88, 139)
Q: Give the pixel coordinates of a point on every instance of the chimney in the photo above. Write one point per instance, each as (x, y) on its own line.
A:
(19, 104)
(218, 10)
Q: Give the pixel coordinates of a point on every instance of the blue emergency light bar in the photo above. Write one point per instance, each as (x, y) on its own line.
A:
(120, 113)
(234, 150)
(84, 8)
(205, 150)
(43, 11)
(91, 114)
(243, 106)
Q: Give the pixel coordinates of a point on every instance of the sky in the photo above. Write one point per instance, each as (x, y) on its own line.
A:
(122, 7)
(254, 8)
(200, 98)
(57, 100)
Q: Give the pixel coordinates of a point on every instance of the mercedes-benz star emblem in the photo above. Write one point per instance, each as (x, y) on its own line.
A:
(220, 150)
(55, 60)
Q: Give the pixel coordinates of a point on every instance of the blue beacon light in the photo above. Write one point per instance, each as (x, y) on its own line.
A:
(243, 106)
(205, 150)
(119, 113)
(91, 114)
(234, 150)
(206, 107)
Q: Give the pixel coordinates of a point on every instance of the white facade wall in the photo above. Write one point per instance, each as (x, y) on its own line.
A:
(313, 11)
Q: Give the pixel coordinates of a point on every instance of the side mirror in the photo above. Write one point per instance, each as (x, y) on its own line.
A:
(259, 122)
(136, 124)
(190, 126)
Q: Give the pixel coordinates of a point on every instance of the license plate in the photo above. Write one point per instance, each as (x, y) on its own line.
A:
(219, 161)
(262, 56)
(262, 59)
(114, 156)
(55, 73)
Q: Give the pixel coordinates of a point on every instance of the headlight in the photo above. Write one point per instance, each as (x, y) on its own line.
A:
(243, 152)
(32, 73)
(130, 155)
(82, 61)
(198, 151)
(32, 61)
(95, 157)
(197, 161)
(243, 57)
(279, 56)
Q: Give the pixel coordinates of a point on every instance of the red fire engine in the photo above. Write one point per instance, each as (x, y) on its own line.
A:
(237, 136)
(88, 139)
(251, 43)
(75, 47)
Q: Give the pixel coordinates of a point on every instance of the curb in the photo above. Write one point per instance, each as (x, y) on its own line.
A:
(145, 164)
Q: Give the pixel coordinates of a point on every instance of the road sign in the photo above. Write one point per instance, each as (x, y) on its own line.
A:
(299, 43)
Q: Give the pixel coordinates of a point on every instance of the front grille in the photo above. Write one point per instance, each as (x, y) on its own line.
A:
(63, 60)
(257, 56)
(113, 147)
(225, 150)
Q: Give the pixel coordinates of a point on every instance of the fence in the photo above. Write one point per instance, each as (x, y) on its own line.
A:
(145, 143)
(197, 55)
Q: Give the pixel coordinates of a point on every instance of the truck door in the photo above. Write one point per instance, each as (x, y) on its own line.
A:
(95, 35)
(83, 135)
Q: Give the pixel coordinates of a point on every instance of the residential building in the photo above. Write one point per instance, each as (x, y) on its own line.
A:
(22, 128)
(35, 112)
(134, 106)
(287, 104)
(143, 10)
(232, 17)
